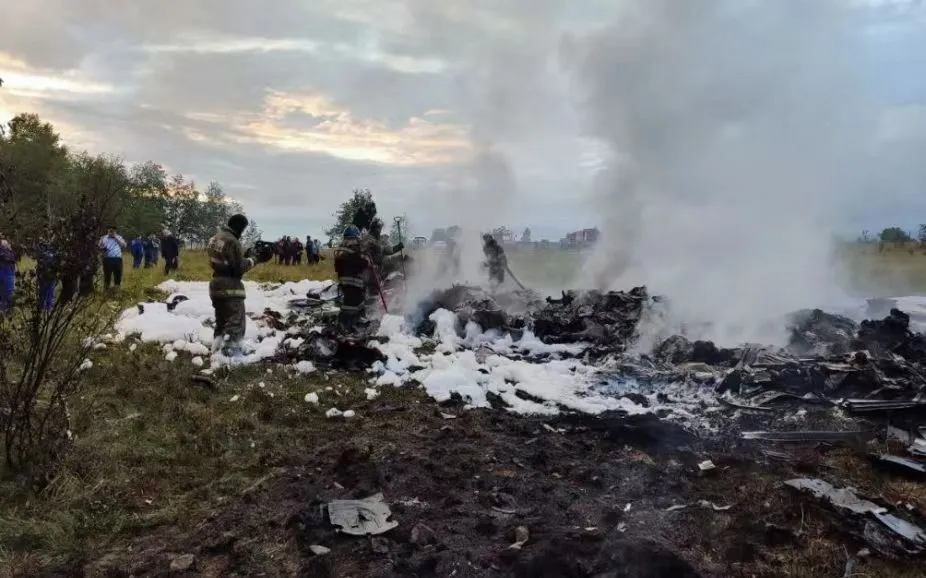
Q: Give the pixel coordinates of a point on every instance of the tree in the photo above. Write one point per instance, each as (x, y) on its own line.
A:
(894, 235)
(502, 234)
(360, 203)
(252, 234)
(214, 210)
(526, 235)
(182, 208)
(145, 211)
(38, 163)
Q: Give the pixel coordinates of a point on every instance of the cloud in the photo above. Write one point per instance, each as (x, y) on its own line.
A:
(292, 104)
(334, 130)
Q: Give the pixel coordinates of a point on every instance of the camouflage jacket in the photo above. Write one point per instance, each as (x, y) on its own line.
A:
(351, 265)
(226, 257)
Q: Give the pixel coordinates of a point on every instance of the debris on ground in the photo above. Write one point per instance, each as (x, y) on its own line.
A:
(883, 531)
(808, 436)
(182, 563)
(369, 516)
(901, 465)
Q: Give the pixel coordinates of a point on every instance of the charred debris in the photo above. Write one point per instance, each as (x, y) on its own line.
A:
(872, 367)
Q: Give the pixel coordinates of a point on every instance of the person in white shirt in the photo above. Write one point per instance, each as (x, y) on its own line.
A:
(112, 246)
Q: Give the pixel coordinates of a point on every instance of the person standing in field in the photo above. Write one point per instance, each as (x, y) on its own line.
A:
(148, 251)
(7, 275)
(155, 249)
(138, 252)
(170, 248)
(112, 245)
(45, 268)
(297, 251)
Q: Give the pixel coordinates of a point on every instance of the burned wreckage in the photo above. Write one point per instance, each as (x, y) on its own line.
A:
(873, 372)
(868, 367)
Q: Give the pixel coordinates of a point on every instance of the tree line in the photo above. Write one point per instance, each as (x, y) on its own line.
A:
(895, 235)
(42, 180)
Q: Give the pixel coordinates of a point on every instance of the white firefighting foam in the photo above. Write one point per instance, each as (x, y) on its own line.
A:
(474, 366)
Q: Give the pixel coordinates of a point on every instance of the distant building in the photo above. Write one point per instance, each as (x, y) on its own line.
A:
(582, 238)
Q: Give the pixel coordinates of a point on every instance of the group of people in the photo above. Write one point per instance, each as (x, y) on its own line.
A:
(361, 261)
(290, 250)
(365, 258)
(111, 247)
(147, 250)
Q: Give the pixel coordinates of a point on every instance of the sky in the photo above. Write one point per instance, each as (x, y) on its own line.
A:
(459, 110)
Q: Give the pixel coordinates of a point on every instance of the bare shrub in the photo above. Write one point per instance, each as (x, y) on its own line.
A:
(43, 345)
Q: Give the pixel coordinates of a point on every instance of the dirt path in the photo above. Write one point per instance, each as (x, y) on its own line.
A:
(594, 494)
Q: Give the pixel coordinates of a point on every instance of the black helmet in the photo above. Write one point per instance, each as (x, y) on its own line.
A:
(238, 223)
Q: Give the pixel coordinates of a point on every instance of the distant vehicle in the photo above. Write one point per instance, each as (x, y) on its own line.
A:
(419, 241)
(439, 245)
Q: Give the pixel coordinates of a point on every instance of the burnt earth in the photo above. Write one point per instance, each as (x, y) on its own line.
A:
(594, 494)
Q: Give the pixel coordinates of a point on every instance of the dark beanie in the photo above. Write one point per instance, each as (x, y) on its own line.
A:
(238, 223)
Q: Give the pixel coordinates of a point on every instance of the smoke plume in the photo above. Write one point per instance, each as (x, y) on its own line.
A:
(505, 58)
(735, 127)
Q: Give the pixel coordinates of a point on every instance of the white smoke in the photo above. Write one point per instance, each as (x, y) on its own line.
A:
(735, 129)
(505, 91)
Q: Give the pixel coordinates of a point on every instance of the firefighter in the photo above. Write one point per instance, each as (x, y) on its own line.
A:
(379, 250)
(226, 289)
(353, 268)
(496, 262)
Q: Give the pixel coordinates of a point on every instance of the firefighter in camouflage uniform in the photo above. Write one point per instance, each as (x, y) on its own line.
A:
(383, 256)
(354, 268)
(226, 289)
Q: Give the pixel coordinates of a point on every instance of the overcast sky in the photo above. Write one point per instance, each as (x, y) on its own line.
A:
(446, 110)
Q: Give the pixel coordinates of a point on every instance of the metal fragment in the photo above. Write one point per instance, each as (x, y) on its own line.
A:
(807, 436)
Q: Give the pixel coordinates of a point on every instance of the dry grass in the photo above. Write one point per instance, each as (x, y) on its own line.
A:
(894, 271)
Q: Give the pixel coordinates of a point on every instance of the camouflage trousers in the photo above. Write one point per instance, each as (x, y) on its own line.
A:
(229, 318)
(353, 308)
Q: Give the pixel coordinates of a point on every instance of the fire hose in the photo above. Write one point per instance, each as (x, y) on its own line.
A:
(379, 288)
(521, 285)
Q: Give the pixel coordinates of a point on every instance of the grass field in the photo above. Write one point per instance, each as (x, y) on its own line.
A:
(154, 451)
(865, 270)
